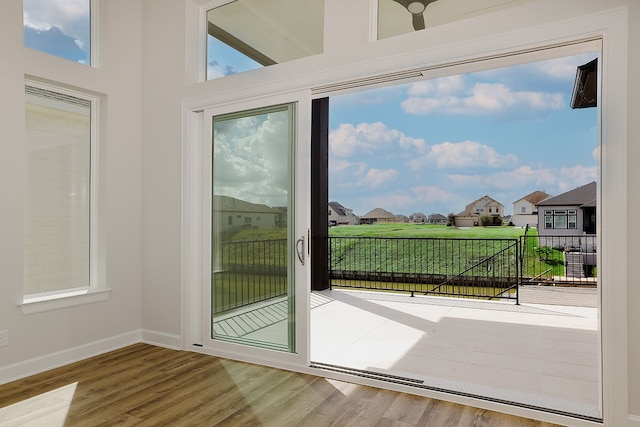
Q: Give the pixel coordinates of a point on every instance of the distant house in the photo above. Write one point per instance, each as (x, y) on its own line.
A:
(525, 211)
(485, 205)
(436, 218)
(418, 218)
(569, 214)
(236, 214)
(339, 215)
(402, 218)
(377, 216)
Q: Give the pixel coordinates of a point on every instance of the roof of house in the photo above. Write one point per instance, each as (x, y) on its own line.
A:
(468, 210)
(436, 216)
(337, 208)
(378, 213)
(581, 196)
(535, 197)
(226, 203)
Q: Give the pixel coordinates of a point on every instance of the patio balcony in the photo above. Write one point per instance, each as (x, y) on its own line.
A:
(504, 336)
(535, 355)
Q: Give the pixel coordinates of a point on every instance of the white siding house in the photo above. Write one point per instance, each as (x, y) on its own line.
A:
(525, 211)
(339, 215)
(236, 214)
(485, 205)
(569, 214)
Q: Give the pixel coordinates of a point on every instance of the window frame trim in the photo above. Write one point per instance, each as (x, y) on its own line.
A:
(608, 25)
(96, 290)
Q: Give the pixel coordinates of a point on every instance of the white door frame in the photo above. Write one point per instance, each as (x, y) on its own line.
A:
(197, 232)
(531, 32)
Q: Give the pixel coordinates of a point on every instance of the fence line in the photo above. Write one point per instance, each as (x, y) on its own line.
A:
(248, 272)
(473, 268)
(252, 271)
(551, 260)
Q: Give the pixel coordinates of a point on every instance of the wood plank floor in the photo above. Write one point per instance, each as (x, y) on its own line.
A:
(144, 385)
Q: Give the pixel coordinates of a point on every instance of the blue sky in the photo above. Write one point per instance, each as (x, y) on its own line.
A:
(58, 27)
(434, 146)
(429, 146)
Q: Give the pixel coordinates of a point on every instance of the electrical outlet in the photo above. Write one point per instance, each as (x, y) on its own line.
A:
(4, 338)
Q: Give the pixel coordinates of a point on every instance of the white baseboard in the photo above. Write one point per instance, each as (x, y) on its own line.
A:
(64, 357)
(634, 420)
(161, 339)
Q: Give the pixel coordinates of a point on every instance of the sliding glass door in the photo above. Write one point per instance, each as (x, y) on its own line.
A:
(255, 249)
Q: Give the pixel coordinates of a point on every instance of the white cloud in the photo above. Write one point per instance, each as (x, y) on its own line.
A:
(559, 69)
(432, 194)
(438, 87)
(339, 166)
(251, 159)
(376, 178)
(345, 174)
(481, 98)
(368, 97)
(70, 16)
(465, 154)
(394, 202)
(575, 176)
(551, 180)
(368, 138)
(562, 68)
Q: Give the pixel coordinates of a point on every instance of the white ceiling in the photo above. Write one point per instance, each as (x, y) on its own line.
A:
(284, 30)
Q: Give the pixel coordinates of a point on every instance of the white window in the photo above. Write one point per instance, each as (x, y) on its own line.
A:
(560, 221)
(561, 218)
(59, 27)
(59, 245)
(548, 221)
(243, 35)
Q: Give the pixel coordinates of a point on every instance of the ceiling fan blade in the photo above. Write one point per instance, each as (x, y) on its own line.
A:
(418, 21)
(404, 3)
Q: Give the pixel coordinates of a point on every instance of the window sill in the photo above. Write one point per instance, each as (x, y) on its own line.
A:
(54, 301)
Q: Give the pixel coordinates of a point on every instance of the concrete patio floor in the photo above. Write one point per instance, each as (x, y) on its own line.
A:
(540, 355)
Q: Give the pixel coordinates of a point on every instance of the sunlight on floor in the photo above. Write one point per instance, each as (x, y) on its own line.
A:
(47, 409)
(540, 355)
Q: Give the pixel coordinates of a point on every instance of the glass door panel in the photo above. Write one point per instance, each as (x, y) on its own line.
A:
(252, 275)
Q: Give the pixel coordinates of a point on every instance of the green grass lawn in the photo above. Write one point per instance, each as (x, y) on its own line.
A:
(389, 248)
(425, 230)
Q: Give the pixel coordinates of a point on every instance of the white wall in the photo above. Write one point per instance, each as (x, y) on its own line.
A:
(37, 341)
(164, 80)
(149, 69)
(633, 207)
(490, 34)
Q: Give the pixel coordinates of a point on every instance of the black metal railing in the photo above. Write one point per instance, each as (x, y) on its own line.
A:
(472, 268)
(252, 271)
(551, 260)
(248, 272)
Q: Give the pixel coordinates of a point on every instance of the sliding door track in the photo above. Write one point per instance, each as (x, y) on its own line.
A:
(417, 383)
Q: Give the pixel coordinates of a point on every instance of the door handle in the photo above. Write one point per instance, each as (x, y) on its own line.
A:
(300, 249)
